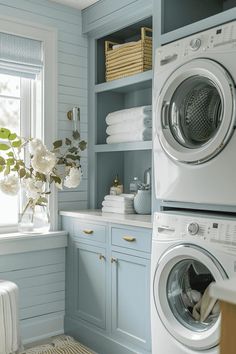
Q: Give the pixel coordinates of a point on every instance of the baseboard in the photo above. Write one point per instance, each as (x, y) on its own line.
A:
(42, 327)
(97, 341)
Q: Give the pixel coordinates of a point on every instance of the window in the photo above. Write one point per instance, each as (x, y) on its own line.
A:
(28, 82)
(16, 113)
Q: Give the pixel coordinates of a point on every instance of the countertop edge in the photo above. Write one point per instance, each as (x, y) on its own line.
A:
(113, 218)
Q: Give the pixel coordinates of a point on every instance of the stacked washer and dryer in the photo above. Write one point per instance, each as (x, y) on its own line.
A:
(194, 146)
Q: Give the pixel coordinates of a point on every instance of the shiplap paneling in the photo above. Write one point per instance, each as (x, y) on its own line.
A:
(72, 71)
(40, 276)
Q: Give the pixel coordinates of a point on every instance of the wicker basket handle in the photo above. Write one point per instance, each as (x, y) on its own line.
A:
(109, 45)
(144, 31)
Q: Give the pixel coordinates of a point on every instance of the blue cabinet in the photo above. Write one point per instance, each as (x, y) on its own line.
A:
(90, 284)
(130, 299)
(108, 282)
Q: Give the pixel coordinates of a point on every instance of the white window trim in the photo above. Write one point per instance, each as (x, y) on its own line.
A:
(48, 36)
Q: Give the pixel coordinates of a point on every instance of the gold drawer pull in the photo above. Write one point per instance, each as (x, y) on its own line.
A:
(88, 232)
(102, 257)
(129, 238)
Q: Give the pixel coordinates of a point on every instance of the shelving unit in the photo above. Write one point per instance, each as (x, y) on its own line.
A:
(125, 159)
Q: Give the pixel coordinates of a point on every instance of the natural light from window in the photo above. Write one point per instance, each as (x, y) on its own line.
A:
(11, 96)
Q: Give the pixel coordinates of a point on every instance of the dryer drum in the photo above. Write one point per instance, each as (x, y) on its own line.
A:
(197, 112)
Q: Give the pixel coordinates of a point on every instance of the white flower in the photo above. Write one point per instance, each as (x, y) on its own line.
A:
(36, 145)
(74, 178)
(59, 186)
(10, 185)
(43, 161)
(33, 188)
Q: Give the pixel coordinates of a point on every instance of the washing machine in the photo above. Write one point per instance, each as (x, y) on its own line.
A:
(194, 118)
(189, 252)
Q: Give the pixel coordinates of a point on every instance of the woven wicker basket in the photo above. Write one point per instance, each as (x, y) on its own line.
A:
(130, 58)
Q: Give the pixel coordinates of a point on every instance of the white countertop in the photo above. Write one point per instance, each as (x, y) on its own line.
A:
(19, 243)
(224, 290)
(97, 215)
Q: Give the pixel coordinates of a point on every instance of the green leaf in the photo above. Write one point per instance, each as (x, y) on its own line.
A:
(41, 177)
(76, 135)
(73, 149)
(22, 172)
(82, 145)
(57, 144)
(16, 143)
(12, 136)
(2, 161)
(4, 147)
(10, 162)
(68, 141)
(56, 179)
(61, 161)
(1, 168)
(10, 154)
(4, 133)
(42, 200)
(72, 157)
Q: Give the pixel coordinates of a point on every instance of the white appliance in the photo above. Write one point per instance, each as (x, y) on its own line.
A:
(189, 251)
(194, 118)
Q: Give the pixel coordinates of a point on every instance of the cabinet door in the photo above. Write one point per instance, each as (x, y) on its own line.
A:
(90, 284)
(130, 299)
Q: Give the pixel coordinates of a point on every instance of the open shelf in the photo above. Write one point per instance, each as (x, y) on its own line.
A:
(194, 12)
(198, 26)
(140, 145)
(127, 84)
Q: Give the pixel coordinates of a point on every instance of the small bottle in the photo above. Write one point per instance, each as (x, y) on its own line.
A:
(117, 187)
(133, 187)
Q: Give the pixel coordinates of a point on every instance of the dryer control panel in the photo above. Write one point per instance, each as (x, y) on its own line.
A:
(190, 227)
(218, 39)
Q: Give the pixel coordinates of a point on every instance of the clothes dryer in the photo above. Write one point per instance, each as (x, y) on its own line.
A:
(189, 252)
(194, 118)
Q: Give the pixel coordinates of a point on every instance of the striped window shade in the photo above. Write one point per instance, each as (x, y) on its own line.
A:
(20, 56)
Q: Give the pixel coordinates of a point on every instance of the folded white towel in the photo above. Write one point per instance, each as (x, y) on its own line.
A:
(128, 114)
(117, 210)
(121, 197)
(9, 318)
(144, 135)
(124, 127)
(118, 204)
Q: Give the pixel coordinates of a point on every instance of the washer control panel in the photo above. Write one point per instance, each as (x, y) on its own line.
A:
(195, 44)
(190, 227)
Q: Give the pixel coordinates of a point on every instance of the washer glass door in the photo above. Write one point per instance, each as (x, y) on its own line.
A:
(181, 293)
(195, 111)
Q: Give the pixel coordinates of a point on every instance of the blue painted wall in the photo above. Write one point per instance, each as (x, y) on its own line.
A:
(72, 71)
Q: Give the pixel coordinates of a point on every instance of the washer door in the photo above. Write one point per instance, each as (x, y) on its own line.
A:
(196, 111)
(181, 284)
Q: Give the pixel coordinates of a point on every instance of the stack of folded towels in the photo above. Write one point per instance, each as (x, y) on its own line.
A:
(133, 124)
(120, 204)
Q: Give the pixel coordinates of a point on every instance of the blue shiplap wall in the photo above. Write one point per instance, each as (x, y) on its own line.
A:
(72, 72)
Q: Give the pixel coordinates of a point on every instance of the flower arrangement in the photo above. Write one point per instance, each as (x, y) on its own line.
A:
(27, 162)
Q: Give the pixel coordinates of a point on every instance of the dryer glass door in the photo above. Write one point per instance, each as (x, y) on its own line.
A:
(181, 293)
(195, 111)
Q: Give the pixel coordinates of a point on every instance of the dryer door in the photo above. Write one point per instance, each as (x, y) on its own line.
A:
(181, 285)
(195, 111)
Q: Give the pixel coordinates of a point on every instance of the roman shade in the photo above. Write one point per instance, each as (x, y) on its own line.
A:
(20, 56)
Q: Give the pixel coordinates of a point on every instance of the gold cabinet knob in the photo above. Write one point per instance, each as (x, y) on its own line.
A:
(114, 260)
(129, 238)
(102, 257)
(88, 232)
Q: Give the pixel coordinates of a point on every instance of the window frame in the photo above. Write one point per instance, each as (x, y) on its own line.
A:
(47, 129)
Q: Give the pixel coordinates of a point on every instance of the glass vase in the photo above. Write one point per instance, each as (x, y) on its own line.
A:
(34, 219)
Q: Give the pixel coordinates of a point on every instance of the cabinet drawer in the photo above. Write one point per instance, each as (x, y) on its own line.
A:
(89, 231)
(139, 240)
